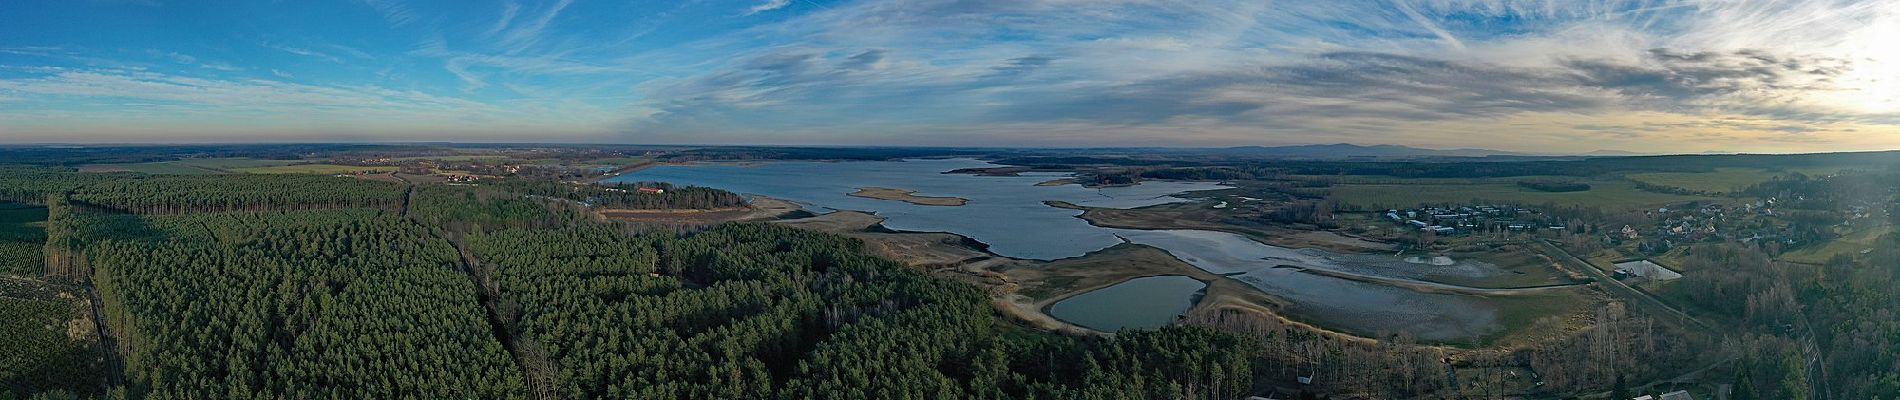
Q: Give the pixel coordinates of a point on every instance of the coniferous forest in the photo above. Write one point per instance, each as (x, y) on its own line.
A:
(331, 287)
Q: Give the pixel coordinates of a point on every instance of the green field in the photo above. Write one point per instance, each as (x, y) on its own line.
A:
(315, 169)
(1610, 195)
(1850, 245)
(1722, 180)
(194, 166)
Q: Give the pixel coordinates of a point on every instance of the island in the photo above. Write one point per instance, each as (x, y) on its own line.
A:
(907, 196)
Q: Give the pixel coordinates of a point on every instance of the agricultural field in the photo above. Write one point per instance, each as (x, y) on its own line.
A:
(22, 234)
(324, 169)
(1722, 180)
(464, 157)
(1606, 194)
(196, 166)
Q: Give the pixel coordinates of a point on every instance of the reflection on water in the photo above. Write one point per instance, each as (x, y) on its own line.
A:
(1140, 303)
(1008, 214)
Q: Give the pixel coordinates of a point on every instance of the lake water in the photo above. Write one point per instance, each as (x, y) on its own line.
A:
(1140, 303)
(1008, 214)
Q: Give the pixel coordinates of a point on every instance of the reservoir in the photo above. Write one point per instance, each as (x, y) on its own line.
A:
(1005, 212)
(1008, 214)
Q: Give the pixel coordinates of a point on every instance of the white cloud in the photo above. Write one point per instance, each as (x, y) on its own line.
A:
(768, 5)
(304, 52)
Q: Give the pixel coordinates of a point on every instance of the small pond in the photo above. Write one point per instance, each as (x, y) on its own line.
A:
(1140, 303)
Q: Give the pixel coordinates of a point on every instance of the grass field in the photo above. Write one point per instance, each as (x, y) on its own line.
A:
(1849, 245)
(1722, 180)
(1610, 195)
(1517, 314)
(195, 166)
(324, 169)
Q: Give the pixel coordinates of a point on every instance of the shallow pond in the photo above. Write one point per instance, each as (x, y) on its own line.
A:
(1140, 303)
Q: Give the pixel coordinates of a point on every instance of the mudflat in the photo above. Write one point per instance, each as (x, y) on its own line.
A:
(907, 196)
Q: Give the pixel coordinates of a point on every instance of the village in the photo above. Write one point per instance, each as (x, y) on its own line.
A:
(1446, 221)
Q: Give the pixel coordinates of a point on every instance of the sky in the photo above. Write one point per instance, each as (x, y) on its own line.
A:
(1537, 76)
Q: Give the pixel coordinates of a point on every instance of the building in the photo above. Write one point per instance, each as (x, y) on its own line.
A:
(1677, 395)
(651, 190)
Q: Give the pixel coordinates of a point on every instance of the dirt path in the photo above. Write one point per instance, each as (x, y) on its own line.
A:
(407, 193)
(108, 345)
(536, 369)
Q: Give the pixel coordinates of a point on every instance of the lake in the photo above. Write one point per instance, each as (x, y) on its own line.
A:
(1008, 214)
(1005, 212)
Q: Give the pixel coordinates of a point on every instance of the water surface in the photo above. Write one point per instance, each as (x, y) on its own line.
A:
(1140, 303)
(1008, 214)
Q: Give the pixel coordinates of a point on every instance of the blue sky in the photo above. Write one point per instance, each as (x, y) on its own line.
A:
(1527, 75)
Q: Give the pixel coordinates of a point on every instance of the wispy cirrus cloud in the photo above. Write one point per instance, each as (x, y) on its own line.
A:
(1290, 71)
(768, 5)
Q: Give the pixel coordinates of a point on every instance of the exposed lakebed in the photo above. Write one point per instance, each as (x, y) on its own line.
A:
(1008, 214)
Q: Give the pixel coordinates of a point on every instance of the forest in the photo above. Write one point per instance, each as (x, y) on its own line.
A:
(324, 287)
(301, 286)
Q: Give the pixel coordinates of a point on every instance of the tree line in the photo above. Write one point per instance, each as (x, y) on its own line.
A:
(625, 195)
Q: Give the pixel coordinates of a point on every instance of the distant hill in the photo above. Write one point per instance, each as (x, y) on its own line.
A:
(1617, 153)
(1347, 150)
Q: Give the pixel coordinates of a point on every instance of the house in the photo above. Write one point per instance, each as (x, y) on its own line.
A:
(1677, 395)
(651, 190)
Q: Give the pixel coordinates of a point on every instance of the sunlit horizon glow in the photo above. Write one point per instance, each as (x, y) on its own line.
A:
(1532, 76)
